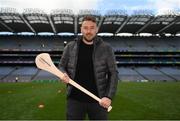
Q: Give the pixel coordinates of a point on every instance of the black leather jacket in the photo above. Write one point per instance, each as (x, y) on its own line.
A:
(105, 69)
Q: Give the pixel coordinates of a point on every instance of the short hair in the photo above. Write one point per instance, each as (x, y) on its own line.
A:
(89, 18)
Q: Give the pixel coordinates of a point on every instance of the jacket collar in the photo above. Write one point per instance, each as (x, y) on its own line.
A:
(97, 40)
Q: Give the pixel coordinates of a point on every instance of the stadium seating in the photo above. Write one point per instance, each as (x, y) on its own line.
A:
(138, 58)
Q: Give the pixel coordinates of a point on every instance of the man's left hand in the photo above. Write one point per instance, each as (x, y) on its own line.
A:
(105, 102)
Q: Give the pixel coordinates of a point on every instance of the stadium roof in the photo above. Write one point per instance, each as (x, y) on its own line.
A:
(65, 21)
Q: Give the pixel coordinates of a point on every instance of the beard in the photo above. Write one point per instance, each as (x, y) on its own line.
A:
(88, 39)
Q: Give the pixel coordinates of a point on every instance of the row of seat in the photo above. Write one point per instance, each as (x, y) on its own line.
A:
(28, 74)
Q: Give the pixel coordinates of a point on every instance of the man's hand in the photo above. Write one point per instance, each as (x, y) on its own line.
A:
(105, 102)
(65, 78)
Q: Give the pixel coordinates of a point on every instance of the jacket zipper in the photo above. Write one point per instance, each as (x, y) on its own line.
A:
(95, 76)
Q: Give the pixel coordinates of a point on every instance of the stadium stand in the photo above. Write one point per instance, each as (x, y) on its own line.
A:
(42, 75)
(152, 58)
(128, 74)
(152, 74)
(5, 72)
(21, 74)
(172, 72)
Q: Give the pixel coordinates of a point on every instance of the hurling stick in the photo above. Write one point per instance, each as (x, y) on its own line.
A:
(43, 61)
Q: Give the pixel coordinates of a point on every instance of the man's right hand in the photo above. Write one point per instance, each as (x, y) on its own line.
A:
(65, 78)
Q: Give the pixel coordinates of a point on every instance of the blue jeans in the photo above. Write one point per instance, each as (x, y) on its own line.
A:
(77, 110)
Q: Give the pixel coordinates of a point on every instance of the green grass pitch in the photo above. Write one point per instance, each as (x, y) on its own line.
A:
(140, 101)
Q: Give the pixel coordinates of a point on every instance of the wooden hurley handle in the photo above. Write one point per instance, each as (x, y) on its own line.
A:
(43, 61)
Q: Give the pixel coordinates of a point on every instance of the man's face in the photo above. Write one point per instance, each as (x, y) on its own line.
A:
(89, 30)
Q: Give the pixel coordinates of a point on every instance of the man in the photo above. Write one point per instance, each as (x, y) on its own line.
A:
(91, 63)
